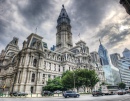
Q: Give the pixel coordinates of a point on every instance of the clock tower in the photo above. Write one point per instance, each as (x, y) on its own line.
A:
(63, 35)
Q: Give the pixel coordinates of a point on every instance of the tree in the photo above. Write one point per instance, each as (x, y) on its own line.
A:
(54, 84)
(68, 80)
(122, 85)
(84, 79)
(93, 78)
(80, 78)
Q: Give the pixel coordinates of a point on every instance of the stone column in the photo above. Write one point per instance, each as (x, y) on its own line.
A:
(26, 60)
(17, 77)
(29, 77)
(65, 56)
(32, 60)
(20, 61)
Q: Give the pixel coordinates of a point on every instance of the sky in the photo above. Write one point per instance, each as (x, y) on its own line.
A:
(106, 20)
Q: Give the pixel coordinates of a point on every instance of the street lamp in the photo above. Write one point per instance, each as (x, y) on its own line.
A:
(74, 80)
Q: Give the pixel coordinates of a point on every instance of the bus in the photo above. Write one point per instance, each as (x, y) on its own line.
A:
(109, 90)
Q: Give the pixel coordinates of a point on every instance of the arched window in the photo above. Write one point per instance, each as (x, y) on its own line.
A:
(35, 62)
(33, 77)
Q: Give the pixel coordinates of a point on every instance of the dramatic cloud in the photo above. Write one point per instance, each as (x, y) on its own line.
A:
(93, 19)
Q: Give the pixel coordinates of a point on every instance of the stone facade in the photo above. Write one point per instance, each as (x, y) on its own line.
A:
(28, 69)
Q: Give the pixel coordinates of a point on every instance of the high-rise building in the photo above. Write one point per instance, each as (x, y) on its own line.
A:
(126, 4)
(123, 65)
(53, 48)
(103, 55)
(124, 70)
(114, 58)
(116, 76)
(126, 53)
(104, 60)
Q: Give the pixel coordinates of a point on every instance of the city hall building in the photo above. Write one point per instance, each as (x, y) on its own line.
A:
(28, 69)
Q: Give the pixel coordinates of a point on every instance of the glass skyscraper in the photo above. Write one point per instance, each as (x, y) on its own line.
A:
(104, 60)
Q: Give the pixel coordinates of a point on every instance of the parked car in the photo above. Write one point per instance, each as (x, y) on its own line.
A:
(128, 91)
(45, 93)
(121, 92)
(57, 92)
(67, 94)
(97, 93)
(18, 94)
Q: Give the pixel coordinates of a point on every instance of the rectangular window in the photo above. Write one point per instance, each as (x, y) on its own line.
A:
(59, 68)
(33, 77)
(43, 75)
(63, 69)
(49, 76)
(44, 64)
(54, 67)
(50, 66)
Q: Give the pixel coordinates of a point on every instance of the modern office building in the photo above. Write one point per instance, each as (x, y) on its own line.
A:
(114, 59)
(104, 60)
(28, 69)
(53, 48)
(116, 76)
(103, 54)
(124, 70)
(126, 53)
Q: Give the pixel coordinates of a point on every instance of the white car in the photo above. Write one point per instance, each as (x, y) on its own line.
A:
(57, 92)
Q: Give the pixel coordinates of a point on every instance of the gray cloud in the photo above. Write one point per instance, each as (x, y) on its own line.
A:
(36, 12)
(20, 18)
(90, 13)
(113, 34)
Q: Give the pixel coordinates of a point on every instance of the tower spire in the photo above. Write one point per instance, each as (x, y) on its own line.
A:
(63, 5)
(63, 35)
(100, 41)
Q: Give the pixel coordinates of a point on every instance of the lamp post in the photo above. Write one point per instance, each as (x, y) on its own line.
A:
(74, 80)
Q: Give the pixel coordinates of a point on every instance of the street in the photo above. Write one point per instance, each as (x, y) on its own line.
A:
(81, 98)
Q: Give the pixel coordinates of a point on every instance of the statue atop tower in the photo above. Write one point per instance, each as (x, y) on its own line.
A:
(63, 35)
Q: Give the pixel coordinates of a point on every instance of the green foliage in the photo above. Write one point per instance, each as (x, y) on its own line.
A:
(79, 78)
(93, 78)
(54, 84)
(68, 80)
(73, 79)
(122, 85)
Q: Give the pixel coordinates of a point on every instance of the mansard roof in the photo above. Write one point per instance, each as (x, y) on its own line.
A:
(32, 34)
(63, 12)
(81, 42)
(63, 17)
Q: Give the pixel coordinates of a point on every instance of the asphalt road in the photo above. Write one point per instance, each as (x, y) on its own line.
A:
(81, 98)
